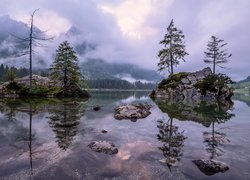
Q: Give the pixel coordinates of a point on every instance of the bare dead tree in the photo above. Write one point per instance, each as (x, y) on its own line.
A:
(34, 40)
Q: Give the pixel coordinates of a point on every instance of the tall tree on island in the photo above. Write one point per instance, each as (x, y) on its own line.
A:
(174, 49)
(65, 67)
(215, 54)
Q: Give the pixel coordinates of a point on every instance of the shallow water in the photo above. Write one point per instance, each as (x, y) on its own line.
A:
(48, 139)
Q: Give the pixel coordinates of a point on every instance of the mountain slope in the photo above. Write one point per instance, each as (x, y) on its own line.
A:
(99, 69)
(11, 33)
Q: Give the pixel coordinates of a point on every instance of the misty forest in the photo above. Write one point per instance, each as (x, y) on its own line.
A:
(124, 90)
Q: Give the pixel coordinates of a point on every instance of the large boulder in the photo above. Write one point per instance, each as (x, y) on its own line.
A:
(184, 86)
(36, 80)
(132, 111)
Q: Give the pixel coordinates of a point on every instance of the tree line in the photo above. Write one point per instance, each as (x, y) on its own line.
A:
(6, 72)
(118, 84)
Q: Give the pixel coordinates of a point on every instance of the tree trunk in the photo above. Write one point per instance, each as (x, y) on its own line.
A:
(171, 56)
(214, 63)
(65, 80)
(30, 48)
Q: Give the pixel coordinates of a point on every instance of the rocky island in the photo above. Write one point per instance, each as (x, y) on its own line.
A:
(200, 85)
(42, 87)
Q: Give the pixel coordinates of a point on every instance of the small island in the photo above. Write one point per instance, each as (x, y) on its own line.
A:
(200, 85)
(64, 81)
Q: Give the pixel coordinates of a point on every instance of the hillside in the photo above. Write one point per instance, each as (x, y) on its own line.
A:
(242, 86)
(99, 69)
(93, 69)
(10, 34)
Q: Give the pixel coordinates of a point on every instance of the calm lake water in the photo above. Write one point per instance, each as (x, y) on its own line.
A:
(48, 138)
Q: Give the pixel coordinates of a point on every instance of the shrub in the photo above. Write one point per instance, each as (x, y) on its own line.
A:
(172, 80)
(213, 83)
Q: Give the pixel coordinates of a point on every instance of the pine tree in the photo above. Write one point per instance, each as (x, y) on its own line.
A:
(215, 54)
(174, 49)
(65, 67)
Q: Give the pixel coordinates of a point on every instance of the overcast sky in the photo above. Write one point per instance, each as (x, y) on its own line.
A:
(130, 30)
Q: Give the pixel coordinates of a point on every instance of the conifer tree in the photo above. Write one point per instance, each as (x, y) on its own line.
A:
(174, 49)
(215, 54)
(65, 67)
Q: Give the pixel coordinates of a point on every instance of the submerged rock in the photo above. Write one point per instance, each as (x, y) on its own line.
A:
(132, 111)
(104, 131)
(210, 167)
(96, 108)
(104, 147)
(216, 138)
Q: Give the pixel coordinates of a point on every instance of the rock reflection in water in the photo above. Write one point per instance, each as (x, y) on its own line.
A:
(202, 112)
(173, 141)
(206, 113)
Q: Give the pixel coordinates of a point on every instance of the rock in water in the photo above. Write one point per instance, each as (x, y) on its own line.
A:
(104, 147)
(132, 111)
(104, 131)
(73, 91)
(210, 167)
(96, 108)
(185, 86)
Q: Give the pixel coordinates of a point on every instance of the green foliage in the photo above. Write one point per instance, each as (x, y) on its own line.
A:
(39, 90)
(204, 112)
(34, 91)
(65, 66)
(214, 111)
(243, 86)
(172, 81)
(215, 54)
(118, 84)
(213, 83)
(10, 73)
(174, 49)
(13, 86)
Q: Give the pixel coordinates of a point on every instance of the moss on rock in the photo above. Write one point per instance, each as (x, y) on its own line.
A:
(172, 81)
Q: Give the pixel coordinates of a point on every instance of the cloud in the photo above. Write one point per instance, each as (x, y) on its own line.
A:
(130, 31)
(48, 21)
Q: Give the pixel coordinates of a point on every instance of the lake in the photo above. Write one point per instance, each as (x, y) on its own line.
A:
(48, 138)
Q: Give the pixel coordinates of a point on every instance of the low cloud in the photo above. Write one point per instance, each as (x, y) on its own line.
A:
(130, 31)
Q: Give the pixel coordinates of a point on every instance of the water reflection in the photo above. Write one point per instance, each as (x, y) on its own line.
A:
(206, 113)
(202, 112)
(63, 115)
(64, 121)
(30, 140)
(216, 113)
(243, 97)
(173, 141)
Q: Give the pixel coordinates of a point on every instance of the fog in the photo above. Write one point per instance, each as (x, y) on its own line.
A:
(128, 31)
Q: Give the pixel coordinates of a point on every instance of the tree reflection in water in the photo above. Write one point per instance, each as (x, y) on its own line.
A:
(64, 122)
(206, 113)
(215, 113)
(64, 117)
(173, 141)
